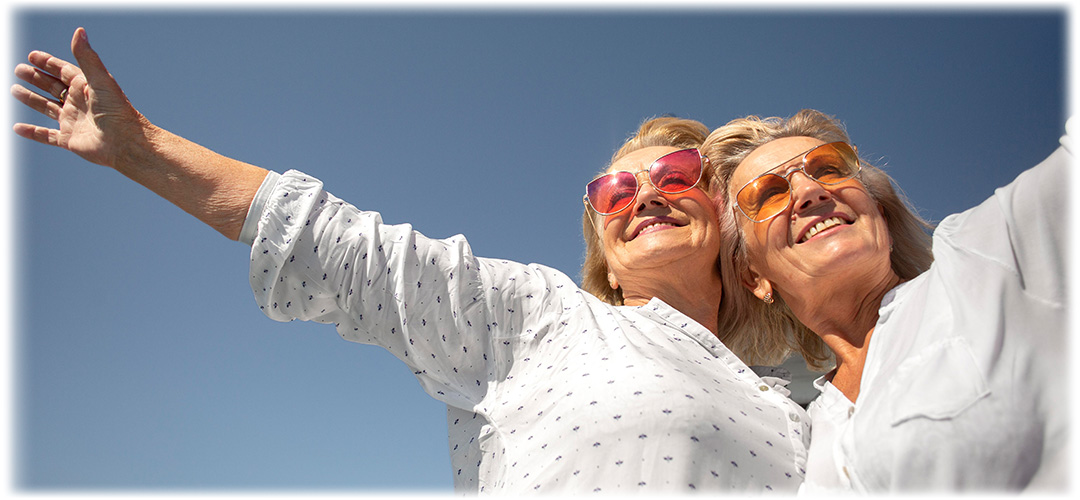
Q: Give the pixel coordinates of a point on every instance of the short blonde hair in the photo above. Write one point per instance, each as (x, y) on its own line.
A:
(729, 145)
(662, 131)
(684, 133)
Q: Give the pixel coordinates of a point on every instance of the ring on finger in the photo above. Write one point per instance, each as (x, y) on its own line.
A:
(63, 96)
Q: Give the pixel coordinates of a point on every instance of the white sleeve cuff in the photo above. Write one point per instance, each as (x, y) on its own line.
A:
(258, 205)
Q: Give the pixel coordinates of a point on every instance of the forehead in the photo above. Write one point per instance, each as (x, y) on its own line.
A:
(773, 154)
(640, 159)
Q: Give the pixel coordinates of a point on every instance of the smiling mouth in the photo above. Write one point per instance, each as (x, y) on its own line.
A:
(655, 225)
(821, 226)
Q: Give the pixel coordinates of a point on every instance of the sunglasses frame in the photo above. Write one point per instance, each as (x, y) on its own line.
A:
(702, 159)
(800, 168)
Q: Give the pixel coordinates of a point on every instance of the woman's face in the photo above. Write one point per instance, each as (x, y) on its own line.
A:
(659, 234)
(786, 251)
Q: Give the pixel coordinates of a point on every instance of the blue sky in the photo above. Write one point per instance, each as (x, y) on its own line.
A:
(140, 358)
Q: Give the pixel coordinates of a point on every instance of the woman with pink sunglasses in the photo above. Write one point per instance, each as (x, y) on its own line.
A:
(548, 388)
(945, 352)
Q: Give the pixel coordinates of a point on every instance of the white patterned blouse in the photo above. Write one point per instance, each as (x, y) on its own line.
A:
(548, 389)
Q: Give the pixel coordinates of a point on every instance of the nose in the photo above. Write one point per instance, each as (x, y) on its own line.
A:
(647, 195)
(806, 192)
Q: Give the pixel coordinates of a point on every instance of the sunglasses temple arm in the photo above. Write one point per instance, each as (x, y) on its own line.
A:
(589, 213)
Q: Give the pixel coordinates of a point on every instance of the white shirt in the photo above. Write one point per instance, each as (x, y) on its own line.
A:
(961, 388)
(548, 388)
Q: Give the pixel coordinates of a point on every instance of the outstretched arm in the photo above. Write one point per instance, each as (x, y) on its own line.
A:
(96, 121)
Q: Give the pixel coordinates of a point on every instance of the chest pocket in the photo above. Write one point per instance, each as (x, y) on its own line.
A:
(939, 383)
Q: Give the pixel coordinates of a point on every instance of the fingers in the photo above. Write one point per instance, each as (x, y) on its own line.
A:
(55, 67)
(53, 75)
(37, 102)
(88, 60)
(40, 134)
(40, 79)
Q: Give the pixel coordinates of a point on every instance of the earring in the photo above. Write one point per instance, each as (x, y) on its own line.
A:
(767, 298)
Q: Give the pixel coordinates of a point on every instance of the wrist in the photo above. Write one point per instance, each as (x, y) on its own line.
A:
(141, 143)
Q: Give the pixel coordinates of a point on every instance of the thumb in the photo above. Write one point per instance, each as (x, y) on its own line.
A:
(89, 62)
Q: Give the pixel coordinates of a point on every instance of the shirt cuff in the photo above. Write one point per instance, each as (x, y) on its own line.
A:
(258, 204)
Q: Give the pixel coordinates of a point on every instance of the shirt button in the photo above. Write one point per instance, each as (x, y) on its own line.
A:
(850, 411)
(846, 474)
(763, 388)
(793, 416)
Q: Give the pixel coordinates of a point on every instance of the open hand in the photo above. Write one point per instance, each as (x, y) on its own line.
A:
(94, 118)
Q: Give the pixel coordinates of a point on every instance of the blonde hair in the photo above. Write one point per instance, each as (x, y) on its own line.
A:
(682, 133)
(728, 146)
(662, 131)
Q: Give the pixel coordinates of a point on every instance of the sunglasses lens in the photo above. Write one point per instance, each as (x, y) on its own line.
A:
(612, 192)
(832, 163)
(769, 194)
(676, 172)
(670, 174)
(764, 197)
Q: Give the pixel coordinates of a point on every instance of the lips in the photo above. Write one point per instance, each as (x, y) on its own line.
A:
(822, 225)
(653, 223)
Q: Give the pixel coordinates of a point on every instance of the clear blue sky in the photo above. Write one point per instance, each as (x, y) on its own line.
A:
(142, 361)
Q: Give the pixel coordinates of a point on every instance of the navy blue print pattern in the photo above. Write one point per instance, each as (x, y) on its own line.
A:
(548, 389)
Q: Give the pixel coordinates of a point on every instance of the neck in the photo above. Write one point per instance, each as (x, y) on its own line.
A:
(844, 318)
(695, 296)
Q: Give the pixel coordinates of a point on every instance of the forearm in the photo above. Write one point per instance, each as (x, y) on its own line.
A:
(95, 120)
(215, 189)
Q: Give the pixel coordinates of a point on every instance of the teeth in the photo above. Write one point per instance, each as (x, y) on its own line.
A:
(650, 226)
(821, 226)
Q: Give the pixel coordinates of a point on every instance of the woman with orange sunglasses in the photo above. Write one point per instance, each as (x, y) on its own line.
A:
(548, 388)
(944, 351)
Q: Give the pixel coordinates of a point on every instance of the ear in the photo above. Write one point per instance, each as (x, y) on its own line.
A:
(757, 285)
(881, 208)
(612, 280)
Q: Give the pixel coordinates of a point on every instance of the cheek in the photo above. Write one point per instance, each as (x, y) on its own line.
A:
(699, 204)
(766, 243)
(867, 205)
(761, 236)
(612, 227)
(754, 237)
